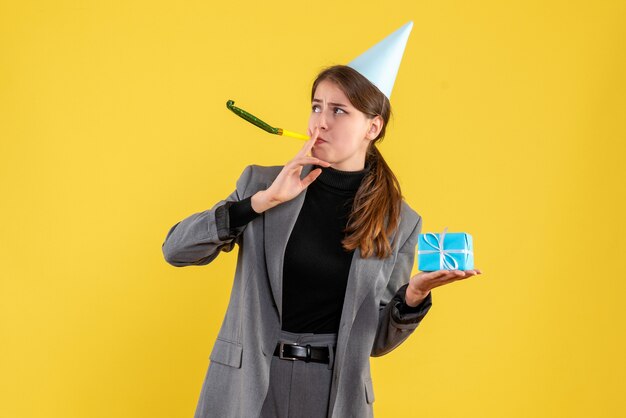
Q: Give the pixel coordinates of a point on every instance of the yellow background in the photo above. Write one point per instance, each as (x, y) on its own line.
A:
(509, 124)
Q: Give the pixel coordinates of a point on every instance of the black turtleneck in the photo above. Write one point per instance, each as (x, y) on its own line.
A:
(316, 266)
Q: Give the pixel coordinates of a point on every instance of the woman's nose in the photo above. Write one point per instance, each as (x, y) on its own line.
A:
(321, 122)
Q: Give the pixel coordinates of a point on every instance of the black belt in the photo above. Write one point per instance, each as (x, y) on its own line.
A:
(302, 352)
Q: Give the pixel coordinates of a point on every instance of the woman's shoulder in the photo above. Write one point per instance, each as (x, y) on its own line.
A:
(256, 177)
(409, 228)
(409, 217)
(260, 173)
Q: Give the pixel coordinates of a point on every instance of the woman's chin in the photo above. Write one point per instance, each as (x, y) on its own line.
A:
(319, 154)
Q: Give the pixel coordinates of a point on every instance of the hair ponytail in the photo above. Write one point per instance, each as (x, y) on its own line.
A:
(375, 212)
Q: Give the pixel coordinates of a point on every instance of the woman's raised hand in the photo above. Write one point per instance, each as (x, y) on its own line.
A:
(288, 184)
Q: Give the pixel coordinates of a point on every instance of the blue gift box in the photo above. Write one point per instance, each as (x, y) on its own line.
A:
(445, 251)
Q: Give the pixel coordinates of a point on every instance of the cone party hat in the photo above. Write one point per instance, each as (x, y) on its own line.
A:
(380, 63)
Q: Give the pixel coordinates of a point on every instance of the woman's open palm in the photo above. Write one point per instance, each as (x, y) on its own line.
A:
(424, 281)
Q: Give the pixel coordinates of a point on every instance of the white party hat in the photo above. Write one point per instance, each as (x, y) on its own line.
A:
(380, 63)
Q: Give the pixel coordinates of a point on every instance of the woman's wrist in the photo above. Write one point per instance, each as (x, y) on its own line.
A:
(413, 298)
(261, 202)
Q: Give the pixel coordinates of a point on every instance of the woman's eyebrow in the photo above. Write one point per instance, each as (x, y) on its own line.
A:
(330, 103)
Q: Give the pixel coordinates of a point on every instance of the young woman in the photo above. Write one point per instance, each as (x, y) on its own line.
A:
(326, 248)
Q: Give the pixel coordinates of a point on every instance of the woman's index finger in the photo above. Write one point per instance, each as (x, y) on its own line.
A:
(309, 144)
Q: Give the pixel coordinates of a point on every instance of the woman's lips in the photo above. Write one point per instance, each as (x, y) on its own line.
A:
(319, 141)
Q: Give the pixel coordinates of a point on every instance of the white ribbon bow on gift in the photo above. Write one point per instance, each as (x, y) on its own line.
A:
(438, 248)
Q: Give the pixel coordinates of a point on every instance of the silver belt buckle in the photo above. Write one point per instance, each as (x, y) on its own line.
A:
(280, 352)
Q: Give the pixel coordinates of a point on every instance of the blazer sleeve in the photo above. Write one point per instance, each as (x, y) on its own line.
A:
(199, 238)
(396, 321)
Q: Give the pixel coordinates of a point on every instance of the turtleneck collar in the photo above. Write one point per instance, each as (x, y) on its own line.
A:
(342, 180)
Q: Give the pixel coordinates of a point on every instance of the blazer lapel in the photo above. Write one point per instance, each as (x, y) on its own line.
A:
(363, 278)
(279, 222)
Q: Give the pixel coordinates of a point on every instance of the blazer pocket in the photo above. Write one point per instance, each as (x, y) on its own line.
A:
(227, 352)
(369, 390)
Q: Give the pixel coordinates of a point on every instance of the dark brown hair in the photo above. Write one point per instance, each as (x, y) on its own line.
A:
(375, 213)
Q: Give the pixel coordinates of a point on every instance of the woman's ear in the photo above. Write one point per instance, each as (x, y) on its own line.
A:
(376, 124)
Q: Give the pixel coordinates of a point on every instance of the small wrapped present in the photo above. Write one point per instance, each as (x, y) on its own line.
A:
(445, 251)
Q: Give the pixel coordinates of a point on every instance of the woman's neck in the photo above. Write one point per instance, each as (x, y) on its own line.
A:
(340, 179)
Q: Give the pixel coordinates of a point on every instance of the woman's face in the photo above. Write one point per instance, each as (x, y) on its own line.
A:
(344, 131)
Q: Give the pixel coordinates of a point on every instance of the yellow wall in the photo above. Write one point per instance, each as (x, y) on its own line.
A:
(509, 124)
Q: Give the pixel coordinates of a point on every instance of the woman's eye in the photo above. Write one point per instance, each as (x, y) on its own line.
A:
(336, 110)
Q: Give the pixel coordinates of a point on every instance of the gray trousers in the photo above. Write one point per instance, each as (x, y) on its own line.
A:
(298, 389)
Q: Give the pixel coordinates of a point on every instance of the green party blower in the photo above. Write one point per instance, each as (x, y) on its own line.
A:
(258, 122)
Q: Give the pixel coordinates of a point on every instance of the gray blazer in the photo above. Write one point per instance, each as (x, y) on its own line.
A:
(371, 325)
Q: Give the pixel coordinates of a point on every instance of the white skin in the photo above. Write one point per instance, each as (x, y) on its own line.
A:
(339, 137)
